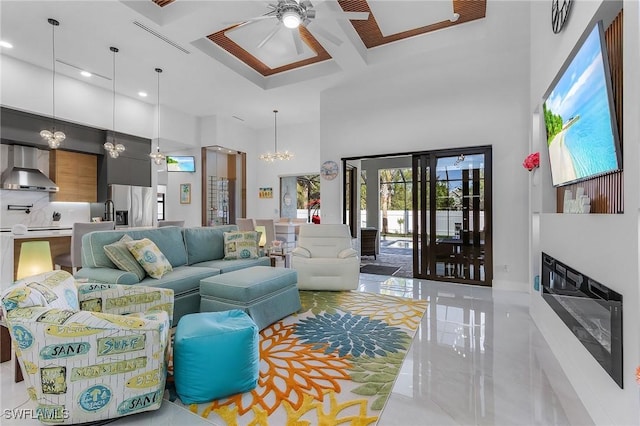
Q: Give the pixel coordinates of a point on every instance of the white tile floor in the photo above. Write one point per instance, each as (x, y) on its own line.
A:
(477, 359)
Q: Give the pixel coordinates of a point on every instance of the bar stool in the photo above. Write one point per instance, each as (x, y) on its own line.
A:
(73, 259)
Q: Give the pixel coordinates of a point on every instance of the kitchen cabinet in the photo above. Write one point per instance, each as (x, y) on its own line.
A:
(132, 167)
(76, 174)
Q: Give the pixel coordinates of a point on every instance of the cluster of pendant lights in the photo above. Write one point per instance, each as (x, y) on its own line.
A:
(55, 137)
(270, 157)
(114, 148)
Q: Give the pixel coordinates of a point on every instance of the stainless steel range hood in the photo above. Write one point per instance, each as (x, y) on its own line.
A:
(23, 173)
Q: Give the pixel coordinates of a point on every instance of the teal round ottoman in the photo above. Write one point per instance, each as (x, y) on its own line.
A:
(215, 354)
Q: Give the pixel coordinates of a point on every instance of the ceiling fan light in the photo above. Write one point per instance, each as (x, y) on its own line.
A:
(291, 19)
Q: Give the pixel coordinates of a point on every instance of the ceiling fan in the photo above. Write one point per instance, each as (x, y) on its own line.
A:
(291, 14)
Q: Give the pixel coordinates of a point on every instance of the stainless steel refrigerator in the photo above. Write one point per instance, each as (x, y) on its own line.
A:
(133, 205)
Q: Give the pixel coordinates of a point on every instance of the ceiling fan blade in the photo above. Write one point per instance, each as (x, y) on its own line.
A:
(269, 36)
(352, 16)
(249, 21)
(317, 29)
(297, 41)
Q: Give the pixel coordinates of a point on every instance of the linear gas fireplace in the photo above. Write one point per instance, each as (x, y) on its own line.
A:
(592, 311)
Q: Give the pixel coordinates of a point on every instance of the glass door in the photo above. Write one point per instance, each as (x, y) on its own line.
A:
(421, 212)
(453, 209)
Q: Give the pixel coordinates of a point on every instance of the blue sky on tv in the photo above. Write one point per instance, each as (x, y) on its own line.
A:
(583, 78)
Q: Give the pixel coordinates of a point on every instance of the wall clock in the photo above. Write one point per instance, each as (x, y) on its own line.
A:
(329, 170)
(559, 14)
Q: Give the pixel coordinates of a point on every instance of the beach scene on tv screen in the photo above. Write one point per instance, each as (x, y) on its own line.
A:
(180, 164)
(577, 116)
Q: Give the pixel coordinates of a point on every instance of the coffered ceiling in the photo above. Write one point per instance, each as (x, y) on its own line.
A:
(216, 59)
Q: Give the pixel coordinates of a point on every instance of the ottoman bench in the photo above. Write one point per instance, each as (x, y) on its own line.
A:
(267, 294)
(215, 354)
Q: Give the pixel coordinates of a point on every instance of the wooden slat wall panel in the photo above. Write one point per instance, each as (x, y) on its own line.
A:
(163, 3)
(606, 192)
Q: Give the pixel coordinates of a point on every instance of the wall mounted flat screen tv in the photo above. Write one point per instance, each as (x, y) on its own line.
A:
(579, 115)
(181, 163)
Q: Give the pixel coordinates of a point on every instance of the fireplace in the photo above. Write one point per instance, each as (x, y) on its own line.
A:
(592, 311)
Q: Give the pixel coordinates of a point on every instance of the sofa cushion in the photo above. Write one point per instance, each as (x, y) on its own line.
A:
(169, 241)
(120, 255)
(225, 266)
(205, 243)
(149, 257)
(240, 245)
(183, 279)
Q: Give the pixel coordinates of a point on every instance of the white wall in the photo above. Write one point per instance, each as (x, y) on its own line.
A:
(28, 88)
(604, 247)
(301, 139)
(445, 99)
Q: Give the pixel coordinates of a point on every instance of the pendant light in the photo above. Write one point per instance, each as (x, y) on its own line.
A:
(53, 137)
(113, 148)
(270, 157)
(157, 156)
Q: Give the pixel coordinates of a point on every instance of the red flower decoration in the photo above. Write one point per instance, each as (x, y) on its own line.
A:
(638, 375)
(532, 161)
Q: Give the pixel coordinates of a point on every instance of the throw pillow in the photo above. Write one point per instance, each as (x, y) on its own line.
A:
(240, 245)
(120, 255)
(55, 289)
(149, 257)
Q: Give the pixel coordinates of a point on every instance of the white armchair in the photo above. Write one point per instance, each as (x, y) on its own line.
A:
(324, 258)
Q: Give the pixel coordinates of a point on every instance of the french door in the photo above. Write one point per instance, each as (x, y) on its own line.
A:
(452, 211)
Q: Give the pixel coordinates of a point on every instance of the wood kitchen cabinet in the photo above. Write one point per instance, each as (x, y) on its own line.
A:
(76, 174)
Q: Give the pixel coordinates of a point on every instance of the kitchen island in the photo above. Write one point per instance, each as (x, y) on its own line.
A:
(59, 240)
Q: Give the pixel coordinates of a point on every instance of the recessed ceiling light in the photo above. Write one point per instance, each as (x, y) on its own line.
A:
(6, 44)
(85, 73)
(142, 94)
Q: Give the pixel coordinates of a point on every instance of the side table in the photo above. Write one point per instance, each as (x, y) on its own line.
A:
(279, 258)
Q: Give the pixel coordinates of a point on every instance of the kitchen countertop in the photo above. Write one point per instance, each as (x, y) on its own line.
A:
(39, 234)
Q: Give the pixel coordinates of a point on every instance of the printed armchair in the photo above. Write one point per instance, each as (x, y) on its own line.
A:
(89, 352)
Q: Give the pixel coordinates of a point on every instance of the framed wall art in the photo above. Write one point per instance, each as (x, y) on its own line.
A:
(265, 193)
(185, 193)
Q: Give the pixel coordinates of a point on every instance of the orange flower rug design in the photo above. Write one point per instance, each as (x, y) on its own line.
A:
(334, 362)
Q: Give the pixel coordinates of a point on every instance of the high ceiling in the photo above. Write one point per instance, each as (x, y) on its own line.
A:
(209, 49)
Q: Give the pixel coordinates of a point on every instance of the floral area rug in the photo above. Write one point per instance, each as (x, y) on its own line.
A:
(332, 363)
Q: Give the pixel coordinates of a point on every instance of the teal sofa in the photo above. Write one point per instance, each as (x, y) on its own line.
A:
(194, 254)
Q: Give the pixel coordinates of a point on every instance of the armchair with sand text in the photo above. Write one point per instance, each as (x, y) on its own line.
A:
(89, 352)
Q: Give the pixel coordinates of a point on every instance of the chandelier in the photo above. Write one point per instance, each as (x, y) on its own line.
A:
(157, 156)
(53, 137)
(113, 148)
(270, 157)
